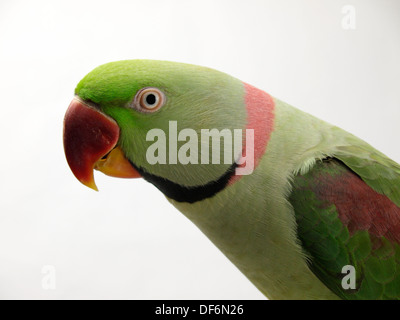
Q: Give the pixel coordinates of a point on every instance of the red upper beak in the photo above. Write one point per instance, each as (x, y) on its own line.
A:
(90, 138)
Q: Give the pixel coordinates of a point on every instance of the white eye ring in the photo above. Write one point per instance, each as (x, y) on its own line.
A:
(149, 100)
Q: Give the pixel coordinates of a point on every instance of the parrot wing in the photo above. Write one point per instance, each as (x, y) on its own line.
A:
(347, 209)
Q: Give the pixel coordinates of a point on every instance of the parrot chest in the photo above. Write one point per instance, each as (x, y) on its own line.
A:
(258, 235)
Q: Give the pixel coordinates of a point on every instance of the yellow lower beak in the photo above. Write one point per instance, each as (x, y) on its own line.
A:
(116, 165)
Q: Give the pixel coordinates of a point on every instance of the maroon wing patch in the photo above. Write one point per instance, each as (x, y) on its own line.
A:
(358, 205)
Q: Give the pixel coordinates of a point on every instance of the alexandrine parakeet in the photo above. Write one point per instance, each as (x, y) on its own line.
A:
(318, 216)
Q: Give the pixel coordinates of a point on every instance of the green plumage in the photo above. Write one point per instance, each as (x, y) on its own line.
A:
(274, 225)
(378, 171)
(331, 247)
(196, 97)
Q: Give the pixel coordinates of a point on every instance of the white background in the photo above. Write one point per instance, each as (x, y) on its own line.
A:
(126, 241)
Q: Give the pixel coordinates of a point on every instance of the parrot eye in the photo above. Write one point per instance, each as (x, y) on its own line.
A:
(149, 100)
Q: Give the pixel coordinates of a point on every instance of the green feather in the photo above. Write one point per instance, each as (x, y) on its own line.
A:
(377, 170)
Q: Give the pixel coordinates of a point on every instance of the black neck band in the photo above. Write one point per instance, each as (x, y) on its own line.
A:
(181, 193)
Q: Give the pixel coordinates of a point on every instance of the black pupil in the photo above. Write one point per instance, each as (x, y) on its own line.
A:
(151, 99)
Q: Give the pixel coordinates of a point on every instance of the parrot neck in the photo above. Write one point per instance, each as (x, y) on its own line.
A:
(260, 107)
(260, 119)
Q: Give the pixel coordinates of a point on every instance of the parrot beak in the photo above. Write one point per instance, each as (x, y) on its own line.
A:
(90, 139)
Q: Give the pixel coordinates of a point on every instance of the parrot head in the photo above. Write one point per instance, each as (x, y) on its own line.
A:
(122, 110)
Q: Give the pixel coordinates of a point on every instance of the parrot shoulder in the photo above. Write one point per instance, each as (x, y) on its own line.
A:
(347, 209)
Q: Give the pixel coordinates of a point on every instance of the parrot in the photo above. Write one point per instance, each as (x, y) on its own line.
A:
(317, 215)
